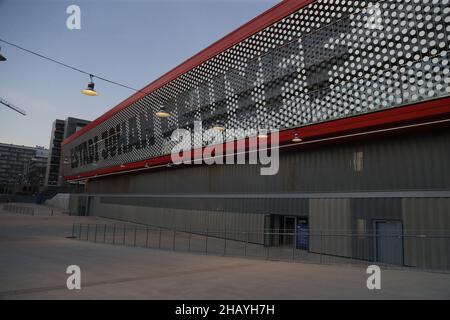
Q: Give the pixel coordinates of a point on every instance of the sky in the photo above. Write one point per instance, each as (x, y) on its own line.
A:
(129, 41)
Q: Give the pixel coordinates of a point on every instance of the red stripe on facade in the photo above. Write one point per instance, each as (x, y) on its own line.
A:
(411, 114)
(255, 25)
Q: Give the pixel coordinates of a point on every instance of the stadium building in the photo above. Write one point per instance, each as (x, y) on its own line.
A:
(360, 94)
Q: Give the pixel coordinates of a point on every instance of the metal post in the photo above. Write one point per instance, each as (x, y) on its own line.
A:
(114, 234)
(206, 244)
(104, 234)
(225, 242)
(79, 232)
(159, 242)
(174, 233)
(124, 233)
(52, 212)
(190, 236)
(246, 243)
(73, 230)
(321, 245)
(87, 233)
(294, 236)
(95, 233)
(146, 239)
(134, 243)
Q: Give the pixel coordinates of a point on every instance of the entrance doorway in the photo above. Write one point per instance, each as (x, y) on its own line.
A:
(389, 241)
(295, 232)
(289, 230)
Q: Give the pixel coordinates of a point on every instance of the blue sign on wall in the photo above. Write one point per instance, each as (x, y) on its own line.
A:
(303, 236)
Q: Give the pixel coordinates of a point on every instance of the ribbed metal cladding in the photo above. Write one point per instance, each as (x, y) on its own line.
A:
(429, 217)
(413, 162)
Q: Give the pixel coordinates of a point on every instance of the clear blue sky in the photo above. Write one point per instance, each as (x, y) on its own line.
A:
(133, 42)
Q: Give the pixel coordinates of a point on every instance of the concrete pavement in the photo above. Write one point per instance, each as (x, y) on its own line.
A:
(34, 255)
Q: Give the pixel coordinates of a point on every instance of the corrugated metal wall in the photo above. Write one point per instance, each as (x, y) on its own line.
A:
(415, 162)
(174, 197)
(329, 219)
(427, 217)
(198, 221)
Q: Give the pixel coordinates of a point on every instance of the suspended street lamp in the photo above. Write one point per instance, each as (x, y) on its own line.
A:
(89, 91)
(162, 113)
(2, 57)
(218, 126)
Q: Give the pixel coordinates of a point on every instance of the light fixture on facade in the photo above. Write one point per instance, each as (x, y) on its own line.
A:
(162, 113)
(89, 91)
(66, 160)
(2, 57)
(263, 135)
(219, 126)
(296, 138)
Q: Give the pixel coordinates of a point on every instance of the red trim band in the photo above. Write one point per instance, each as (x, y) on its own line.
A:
(415, 113)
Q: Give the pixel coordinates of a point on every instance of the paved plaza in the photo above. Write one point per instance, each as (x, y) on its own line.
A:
(35, 252)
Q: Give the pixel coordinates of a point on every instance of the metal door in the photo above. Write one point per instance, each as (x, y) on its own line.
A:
(389, 242)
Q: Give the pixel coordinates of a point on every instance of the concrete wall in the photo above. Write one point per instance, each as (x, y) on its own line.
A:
(61, 201)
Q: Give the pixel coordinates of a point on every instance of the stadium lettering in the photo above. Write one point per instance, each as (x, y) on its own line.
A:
(127, 136)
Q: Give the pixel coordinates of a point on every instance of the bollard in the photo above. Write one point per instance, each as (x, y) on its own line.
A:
(52, 212)
(124, 233)
(114, 234)
(134, 243)
(95, 233)
(73, 230)
(87, 232)
(146, 239)
(79, 232)
(104, 234)
(159, 244)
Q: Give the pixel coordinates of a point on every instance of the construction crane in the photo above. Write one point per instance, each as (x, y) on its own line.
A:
(11, 106)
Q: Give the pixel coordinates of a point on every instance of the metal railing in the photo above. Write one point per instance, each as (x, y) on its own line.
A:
(13, 208)
(28, 210)
(430, 251)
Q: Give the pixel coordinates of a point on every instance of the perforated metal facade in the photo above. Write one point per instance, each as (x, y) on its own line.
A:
(331, 59)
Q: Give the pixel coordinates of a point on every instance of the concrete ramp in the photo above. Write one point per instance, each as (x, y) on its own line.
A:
(60, 201)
